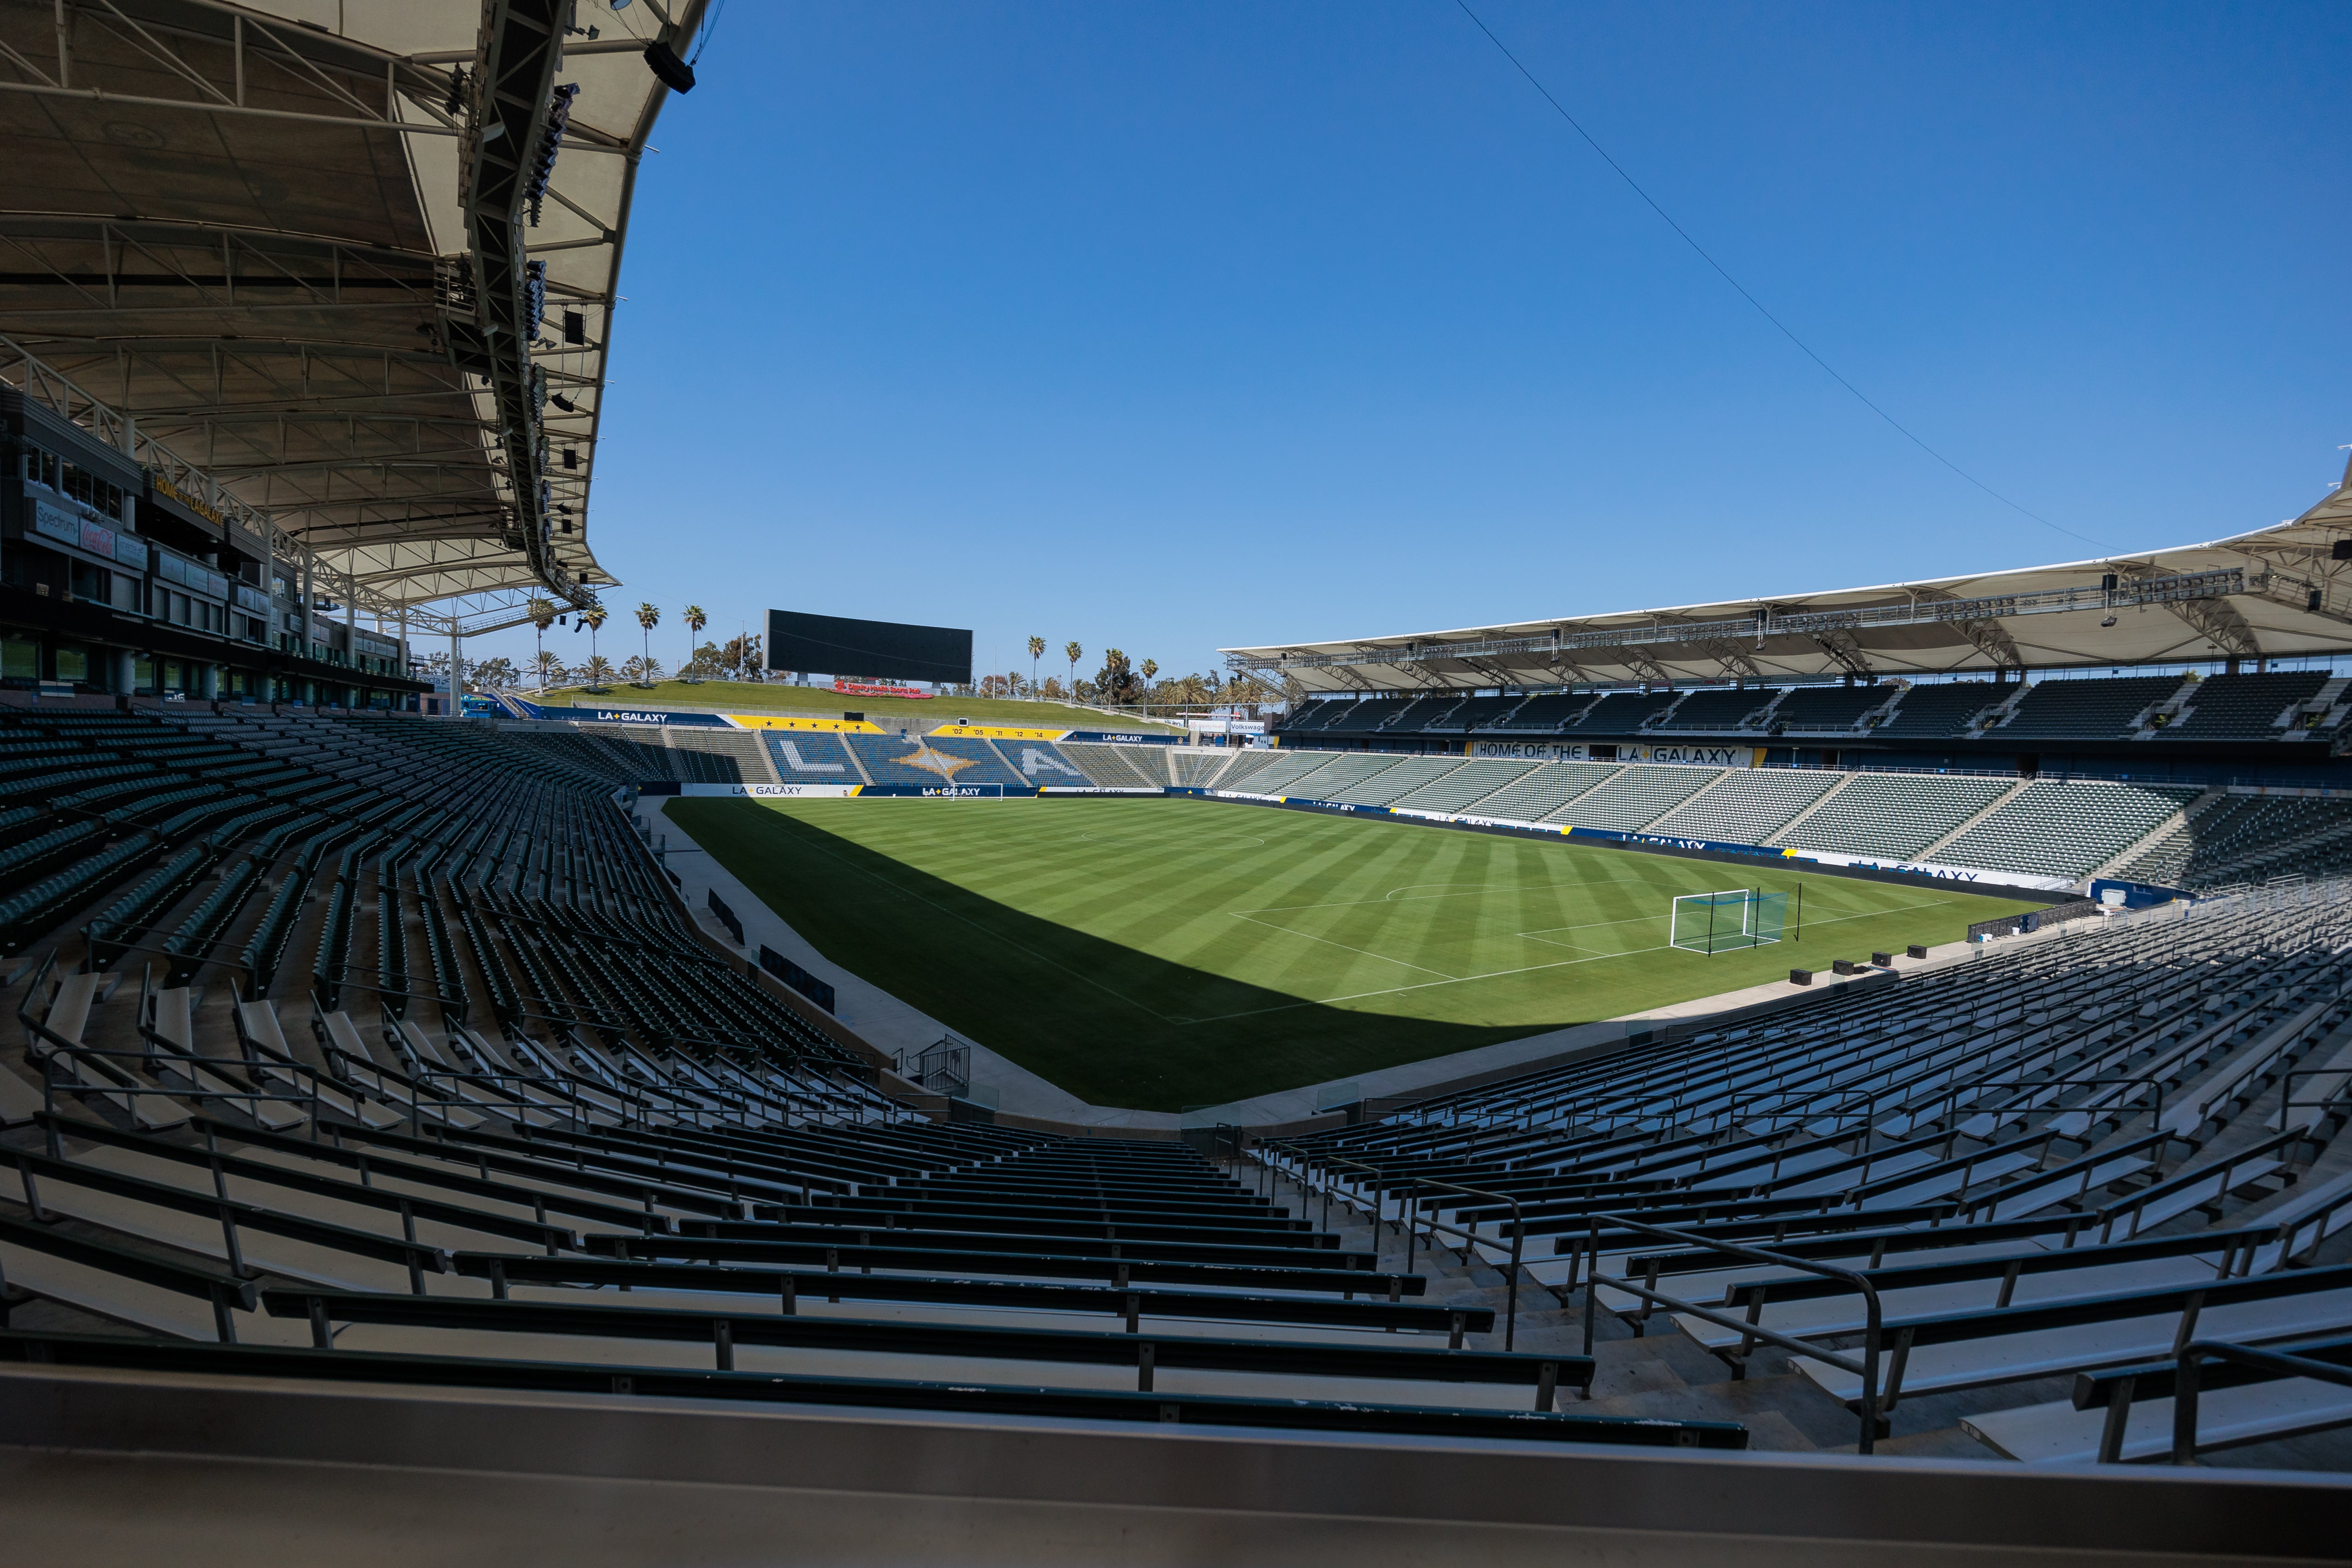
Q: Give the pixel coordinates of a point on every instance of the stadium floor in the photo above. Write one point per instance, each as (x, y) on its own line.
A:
(1163, 953)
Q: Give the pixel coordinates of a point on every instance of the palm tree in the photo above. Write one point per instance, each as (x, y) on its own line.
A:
(694, 621)
(598, 669)
(1073, 652)
(648, 618)
(541, 611)
(1148, 668)
(1036, 651)
(592, 617)
(549, 668)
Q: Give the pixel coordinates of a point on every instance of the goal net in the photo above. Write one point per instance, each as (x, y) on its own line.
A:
(1738, 917)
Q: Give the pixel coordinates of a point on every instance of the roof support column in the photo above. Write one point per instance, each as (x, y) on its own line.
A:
(457, 704)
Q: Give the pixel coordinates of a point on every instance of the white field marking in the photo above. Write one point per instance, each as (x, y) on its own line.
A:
(1391, 896)
(1528, 969)
(1326, 942)
(1177, 841)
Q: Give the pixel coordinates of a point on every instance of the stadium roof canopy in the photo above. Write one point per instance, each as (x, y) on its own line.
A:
(288, 254)
(2272, 594)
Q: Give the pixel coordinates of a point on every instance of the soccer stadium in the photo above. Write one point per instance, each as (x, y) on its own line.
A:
(1856, 1076)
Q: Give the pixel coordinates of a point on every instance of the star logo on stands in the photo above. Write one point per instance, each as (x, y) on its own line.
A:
(939, 763)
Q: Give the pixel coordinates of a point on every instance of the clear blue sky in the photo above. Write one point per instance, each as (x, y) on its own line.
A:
(1184, 326)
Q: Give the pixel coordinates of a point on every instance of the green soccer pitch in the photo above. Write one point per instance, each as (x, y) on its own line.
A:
(1162, 953)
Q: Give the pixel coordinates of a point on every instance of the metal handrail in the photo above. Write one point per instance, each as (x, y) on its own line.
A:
(1867, 1369)
(2187, 1374)
(1407, 1221)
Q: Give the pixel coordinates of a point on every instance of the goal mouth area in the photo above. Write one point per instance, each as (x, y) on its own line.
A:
(1731, 919)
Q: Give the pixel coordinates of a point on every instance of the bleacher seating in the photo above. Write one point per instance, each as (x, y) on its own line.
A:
(1534, 796)
(1939, 709)
(1894, 814)
(2244, 707)
(1633, 797)
(1422, 714)
(1713, 711)
(1393, 783)
(1465, 786)
(2060, 1160)
(1198, 767)
(1336, 776)
(1811, 710)
(1116, 767)
(1746, 804)
(1366, 716)
(2084, 710)
(2249, 839)
(1479, 713)
(2065, 829)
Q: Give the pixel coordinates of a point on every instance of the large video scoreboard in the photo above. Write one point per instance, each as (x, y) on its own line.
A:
(891, 650)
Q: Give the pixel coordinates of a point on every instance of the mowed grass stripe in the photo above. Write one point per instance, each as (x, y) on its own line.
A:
(1167, 952)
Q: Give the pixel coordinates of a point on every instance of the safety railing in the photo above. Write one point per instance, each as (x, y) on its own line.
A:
(1750, 1328)
(1408, 1203)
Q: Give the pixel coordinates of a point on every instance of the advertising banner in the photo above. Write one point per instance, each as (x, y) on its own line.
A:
(759, 791)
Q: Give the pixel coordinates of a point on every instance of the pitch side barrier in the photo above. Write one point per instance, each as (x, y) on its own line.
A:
(878, 790)
(1663, 844)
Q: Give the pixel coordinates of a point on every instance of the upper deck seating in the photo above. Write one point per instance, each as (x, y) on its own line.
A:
(1619, 713)
(1363, 717)
(1747, 805)
(1318, 714)
(1897, 815)
(2100, 709)
(1635, 798)
(1933, 711)
(1713, 711)
(2244, 707)
(1810, 709)
(1421, 713)
(1477, 713)
(1542, 714)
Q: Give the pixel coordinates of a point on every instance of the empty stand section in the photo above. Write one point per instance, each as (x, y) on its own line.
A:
(2065, 829)
(930, 761)
(1812, 709)
(1940, 710)
(2095, 709)
(2244, 707)
(1713, 711)
(811, 756)
(1620, 712)
(1633, 797)
(1898, 815)
(1747, 805)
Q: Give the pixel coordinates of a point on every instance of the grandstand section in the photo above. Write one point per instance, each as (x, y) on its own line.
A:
(1632, 798)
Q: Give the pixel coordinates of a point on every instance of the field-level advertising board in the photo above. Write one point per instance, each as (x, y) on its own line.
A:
(1734, 918)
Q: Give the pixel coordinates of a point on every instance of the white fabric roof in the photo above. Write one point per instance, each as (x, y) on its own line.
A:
(2273, 592)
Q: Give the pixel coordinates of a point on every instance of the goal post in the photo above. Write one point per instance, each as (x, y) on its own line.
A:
(1733, 918)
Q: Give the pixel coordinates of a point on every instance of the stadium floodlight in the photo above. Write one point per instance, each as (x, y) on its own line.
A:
(1735, 917)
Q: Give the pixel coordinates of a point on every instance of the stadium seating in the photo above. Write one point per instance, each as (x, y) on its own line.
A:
(2077, 709)
(1422, 714)
(1126, 767)
(1464, 786)
(2233, 838)
(1746, 806)
(2068, 1156)
(811, 756)
(1812, 709)
(930, 761)
(1480, 713)
(2243, 707)
(1713, 711)
(2065, 829)
(1198, 767)
(1339, 774)
(1894, 814)
(1940, 710)
(1393, 783)
(1364, 716)
(1633, 797)
(1042, 763)
(1544, 714)
(1534, 796)
(1619, 713)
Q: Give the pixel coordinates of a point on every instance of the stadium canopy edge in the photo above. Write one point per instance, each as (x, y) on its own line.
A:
(2275, 592)
(359, 327)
